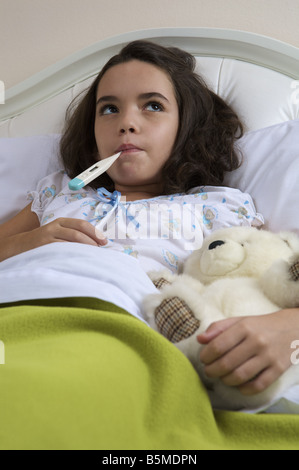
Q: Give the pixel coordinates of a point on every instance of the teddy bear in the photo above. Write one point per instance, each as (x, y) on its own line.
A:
(238, 271)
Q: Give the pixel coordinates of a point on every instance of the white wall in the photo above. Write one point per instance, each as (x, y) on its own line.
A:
(38, 33)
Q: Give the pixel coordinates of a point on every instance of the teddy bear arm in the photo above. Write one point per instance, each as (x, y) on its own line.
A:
(162, 278)
(173, 317)
(160, 283)
(281, 283)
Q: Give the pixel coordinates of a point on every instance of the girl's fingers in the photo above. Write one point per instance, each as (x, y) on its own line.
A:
(252, 353)
(261, 382)
(216, 329)
(227, 365)
(76, 231)
(224, 342)
(245, 372)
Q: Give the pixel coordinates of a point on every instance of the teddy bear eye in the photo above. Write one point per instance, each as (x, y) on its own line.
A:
(215, 244)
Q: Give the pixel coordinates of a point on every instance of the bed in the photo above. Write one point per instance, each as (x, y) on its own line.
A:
(82, 372)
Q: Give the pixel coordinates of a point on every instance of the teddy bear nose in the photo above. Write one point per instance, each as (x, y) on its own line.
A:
(215, 244)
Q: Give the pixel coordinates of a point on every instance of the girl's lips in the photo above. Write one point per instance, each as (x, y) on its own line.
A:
(128, 148)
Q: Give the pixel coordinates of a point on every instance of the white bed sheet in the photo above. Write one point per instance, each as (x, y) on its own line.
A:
(75, 270)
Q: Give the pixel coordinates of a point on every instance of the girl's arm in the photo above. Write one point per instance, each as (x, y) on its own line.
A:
(250, 352)
(24, 233)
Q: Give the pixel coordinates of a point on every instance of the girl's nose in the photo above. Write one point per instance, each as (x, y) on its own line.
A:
(130, 130)
(129, 124)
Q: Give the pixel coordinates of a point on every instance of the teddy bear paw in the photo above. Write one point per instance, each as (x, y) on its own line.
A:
(294, 269)
(175, 320)
(162, 278)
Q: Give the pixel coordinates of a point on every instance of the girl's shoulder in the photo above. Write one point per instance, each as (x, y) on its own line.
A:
(222, 194)
(55, 183)
(212, 193)
(199, 195)
(58, 179)
(230, 206)
(54, 188)
(215, 190)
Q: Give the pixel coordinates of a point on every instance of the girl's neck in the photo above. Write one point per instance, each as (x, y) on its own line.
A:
(137, 193)
(136, 196)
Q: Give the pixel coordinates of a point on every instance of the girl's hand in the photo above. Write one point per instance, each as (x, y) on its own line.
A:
(63, 230)
(23, 233)
(250, 352)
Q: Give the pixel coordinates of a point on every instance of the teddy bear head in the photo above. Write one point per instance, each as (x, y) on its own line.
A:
(240, 251)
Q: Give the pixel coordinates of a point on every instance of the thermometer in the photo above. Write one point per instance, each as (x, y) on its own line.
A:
(92, 173)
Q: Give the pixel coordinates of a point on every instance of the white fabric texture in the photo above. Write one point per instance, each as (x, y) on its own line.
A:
(24, 162)
(62, 270)
(270, 174)
(116, 272)
(159, 232)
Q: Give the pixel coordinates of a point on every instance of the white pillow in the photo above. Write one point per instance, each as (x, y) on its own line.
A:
(23, 162)
(270, 174)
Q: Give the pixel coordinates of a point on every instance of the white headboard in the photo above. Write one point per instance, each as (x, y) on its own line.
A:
(257, 75)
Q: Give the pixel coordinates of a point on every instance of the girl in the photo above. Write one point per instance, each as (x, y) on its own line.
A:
(158, 201)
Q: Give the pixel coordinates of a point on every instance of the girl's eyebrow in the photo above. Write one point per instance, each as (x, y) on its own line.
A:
(143, 96)
(105, 99)
(152, 94)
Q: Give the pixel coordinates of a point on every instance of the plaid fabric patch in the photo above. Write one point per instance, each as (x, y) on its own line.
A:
(175, 320)
(159, 283)
(294, 271)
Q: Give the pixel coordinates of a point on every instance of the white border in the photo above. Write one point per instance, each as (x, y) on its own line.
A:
(245, 46)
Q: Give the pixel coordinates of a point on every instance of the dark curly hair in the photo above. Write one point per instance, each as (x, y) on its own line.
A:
(204, 149)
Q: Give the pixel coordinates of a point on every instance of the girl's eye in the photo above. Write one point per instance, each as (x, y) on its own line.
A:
(154, 107)
(108, 109)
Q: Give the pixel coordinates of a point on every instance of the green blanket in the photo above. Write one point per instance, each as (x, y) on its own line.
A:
(97, 378)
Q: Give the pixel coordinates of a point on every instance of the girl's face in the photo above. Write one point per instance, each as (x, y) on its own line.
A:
(136, 113)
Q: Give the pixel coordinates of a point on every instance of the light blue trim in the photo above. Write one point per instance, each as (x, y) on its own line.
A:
(76, 184)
